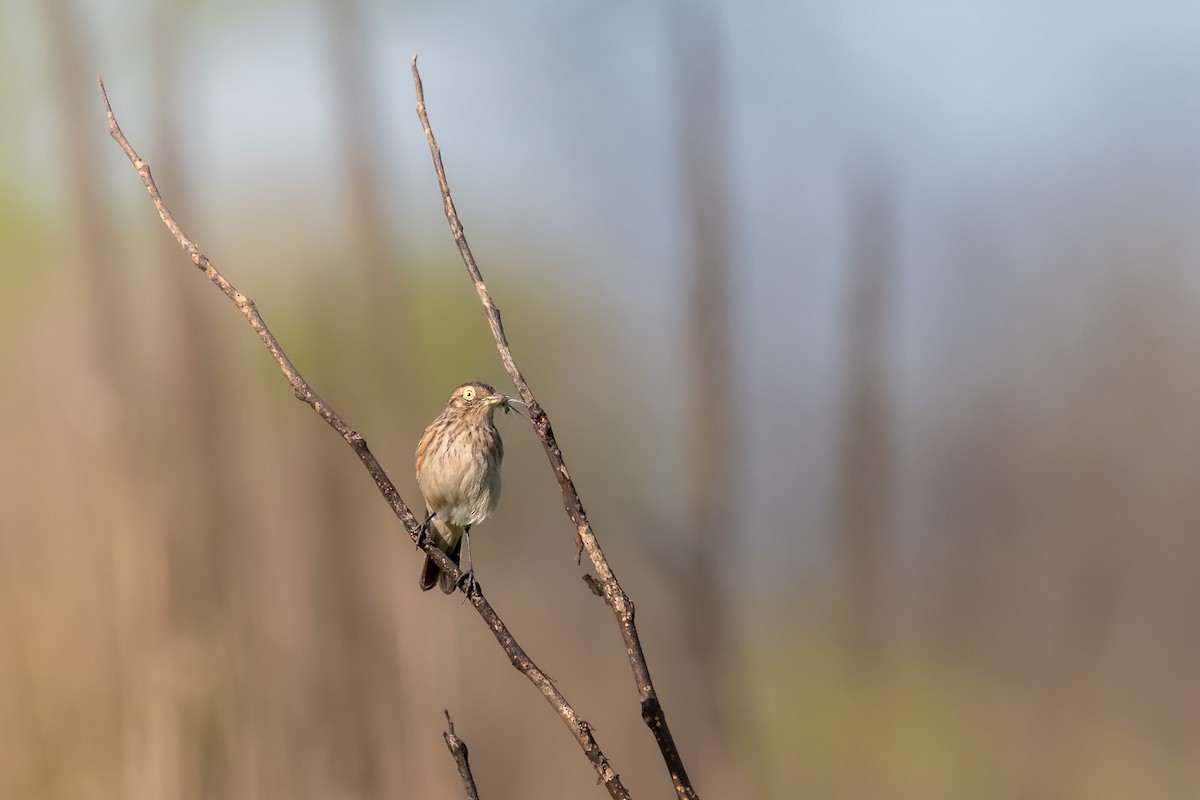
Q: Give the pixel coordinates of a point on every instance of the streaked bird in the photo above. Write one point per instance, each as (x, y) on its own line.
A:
(458, 472)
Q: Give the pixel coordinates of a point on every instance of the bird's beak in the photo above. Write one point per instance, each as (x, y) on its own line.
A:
(496, 400)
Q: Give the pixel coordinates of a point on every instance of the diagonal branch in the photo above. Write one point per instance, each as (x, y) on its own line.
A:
(516, 655)
(585, 540)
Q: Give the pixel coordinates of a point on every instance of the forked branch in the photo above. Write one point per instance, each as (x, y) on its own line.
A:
(585, 540)
(516, 654)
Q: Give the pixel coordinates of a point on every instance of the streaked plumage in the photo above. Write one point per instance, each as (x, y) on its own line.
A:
(458, 471)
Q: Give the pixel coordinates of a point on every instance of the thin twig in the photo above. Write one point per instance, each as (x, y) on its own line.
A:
(458, 749)
(516, 655)
(585, 540)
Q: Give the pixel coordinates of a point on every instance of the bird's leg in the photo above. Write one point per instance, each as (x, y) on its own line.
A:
(468, 574)
(423, 534)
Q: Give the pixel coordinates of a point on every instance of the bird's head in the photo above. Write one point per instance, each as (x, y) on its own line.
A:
(477, 398)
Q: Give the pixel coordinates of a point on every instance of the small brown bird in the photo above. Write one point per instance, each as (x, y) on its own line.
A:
(458, 472)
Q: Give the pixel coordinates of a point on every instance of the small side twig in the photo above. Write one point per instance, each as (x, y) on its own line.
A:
(516, 654)
(458, 749)
(585, 539)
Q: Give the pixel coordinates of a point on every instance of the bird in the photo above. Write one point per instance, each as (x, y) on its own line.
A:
(458, 473)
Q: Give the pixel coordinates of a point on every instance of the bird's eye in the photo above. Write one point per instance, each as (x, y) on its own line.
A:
(468, 394)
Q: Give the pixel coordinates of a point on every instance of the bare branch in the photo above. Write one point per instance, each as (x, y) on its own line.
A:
(585, 540)
(516, 655)
(458, 749)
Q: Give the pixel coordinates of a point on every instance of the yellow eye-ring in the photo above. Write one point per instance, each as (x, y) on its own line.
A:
(468, 393)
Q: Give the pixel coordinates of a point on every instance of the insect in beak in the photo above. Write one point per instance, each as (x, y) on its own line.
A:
(509, 402)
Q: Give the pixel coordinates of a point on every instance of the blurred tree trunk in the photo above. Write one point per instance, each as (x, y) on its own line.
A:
(369, 250)
(91, 224)
(864, 463)
(359, 125)
(864, 441)
(104, 390)
(714, 480)
(205, 530)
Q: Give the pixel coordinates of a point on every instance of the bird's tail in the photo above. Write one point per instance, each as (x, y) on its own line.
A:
(449, 538)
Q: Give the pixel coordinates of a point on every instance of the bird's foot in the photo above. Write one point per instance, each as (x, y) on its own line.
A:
(423, 533)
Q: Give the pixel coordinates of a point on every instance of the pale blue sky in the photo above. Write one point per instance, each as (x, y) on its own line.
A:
(1021, 126)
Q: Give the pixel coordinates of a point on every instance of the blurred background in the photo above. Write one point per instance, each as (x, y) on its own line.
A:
(869, 332)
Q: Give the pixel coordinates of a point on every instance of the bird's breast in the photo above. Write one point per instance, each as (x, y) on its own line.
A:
(459, 476)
